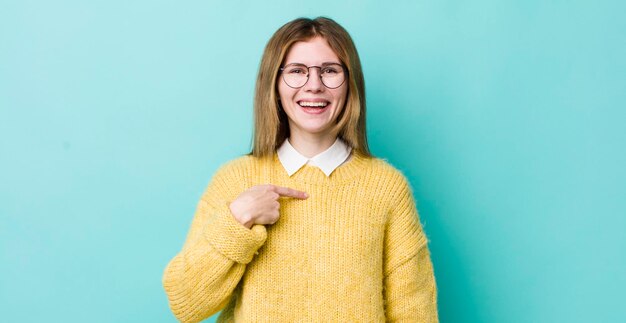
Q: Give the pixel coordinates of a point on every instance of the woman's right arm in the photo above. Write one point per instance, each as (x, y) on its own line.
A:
(200, 280)
(226, 232)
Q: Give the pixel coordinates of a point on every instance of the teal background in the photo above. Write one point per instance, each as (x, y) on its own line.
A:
(506, 116)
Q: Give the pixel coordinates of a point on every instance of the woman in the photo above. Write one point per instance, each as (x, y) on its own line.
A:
(309, 226)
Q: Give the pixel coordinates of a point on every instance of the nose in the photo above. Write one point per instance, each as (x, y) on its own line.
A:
(314, 83)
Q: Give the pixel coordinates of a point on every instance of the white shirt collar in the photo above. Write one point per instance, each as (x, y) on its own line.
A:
(327, 160)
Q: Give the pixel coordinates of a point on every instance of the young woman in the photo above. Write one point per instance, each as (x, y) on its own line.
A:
(308, 227)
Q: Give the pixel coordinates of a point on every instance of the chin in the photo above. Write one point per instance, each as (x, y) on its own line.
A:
(316, 130)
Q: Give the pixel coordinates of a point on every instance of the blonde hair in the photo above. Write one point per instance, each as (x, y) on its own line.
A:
(271, 126)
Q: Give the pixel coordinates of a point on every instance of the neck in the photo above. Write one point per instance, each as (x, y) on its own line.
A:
(310, 145)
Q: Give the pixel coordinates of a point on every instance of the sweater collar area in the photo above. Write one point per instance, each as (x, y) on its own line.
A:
(327, 161)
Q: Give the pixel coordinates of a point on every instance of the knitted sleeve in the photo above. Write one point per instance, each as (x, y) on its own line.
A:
(200, 280)
(410, 289)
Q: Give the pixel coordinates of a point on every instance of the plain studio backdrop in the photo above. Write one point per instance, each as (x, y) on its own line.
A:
(507, 117)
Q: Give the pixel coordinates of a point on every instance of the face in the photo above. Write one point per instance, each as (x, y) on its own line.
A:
(313, 108)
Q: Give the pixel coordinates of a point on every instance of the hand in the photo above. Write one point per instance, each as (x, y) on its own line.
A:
(259, 204)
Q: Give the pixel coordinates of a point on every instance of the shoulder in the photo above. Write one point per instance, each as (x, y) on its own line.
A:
(232, 177)
(237, 164)
(383, 169)
(392, 185)
(233, 170)
(246, 167)
(246, 164)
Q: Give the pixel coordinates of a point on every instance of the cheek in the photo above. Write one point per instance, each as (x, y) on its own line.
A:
(341, 97)
(285, 92)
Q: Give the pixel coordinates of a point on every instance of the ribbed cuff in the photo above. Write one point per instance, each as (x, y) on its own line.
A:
(232, 239)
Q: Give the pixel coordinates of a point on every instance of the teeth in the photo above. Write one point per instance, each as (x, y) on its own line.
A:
(313, 104)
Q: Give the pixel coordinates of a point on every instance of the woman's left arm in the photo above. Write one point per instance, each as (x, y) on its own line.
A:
(410, 289)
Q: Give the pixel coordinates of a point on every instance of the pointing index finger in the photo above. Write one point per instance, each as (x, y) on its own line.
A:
(290, 192)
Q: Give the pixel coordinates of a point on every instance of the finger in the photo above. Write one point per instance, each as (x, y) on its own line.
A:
(290, 192)
(274, 220)
(270, 217)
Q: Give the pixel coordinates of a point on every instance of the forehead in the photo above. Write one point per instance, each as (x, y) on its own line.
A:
(314, 51)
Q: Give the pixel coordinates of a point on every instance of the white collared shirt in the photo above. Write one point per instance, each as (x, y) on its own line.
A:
(327, 160)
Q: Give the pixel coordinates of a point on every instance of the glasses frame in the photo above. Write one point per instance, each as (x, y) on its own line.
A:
(308, 74)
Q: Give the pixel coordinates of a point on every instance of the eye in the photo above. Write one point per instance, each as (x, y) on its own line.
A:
(330, 70)
(296, 70)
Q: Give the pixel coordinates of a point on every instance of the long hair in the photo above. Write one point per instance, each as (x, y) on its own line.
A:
(271, 126)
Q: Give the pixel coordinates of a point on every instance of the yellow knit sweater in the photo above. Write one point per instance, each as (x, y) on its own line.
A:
(354, 251)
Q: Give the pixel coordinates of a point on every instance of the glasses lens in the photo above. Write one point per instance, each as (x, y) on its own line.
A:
(332, 75)
(295, 75)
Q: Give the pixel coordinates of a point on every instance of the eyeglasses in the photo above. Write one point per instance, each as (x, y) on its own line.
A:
(296, 75)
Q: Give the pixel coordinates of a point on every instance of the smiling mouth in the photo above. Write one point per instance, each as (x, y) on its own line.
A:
(313, 104)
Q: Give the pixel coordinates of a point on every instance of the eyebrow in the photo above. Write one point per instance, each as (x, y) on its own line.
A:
(323, 64)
